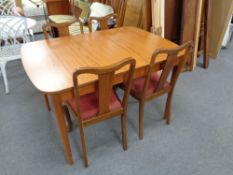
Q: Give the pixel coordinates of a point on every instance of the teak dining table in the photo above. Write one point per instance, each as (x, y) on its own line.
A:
(50, 64)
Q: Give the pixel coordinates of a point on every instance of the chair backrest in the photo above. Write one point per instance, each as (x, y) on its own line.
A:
(104, 87)
(119, 7)
(104, 22)
(174, 63)
(13, 34)
(74, 10)
(62, 29)
(8, 7)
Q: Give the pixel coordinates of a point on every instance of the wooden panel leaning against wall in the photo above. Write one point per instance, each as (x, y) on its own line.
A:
(222, 11)
(138, 14)
(182, 24)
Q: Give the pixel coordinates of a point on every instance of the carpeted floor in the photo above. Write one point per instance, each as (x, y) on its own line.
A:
(199, 140)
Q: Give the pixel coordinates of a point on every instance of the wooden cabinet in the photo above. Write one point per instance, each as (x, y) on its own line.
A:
(58, 7)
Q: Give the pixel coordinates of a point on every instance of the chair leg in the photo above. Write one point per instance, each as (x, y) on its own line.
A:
(46, 100)
(3, 70)
(167, 112)
(141, 120)
(123, 131)
(68, 119)
(84, 150)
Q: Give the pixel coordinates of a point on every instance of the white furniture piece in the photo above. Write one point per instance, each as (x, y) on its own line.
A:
(36, 9)
(228, 34)
(7, 7)
(14, 32)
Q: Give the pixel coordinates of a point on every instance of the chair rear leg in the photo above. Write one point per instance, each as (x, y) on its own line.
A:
(68, 118)
(167, 112)
(123, 131)
(141, 120)
(83, 142)
(3, 70)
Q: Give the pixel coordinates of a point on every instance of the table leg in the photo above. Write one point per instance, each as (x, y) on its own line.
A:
(61, 123)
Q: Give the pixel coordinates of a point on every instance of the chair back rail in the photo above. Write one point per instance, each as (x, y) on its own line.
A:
(102, 21)
(62, 29)
(105, 83)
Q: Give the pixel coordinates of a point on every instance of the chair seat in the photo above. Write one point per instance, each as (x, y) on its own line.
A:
(89, 105)
(62, 18)
(138, 85)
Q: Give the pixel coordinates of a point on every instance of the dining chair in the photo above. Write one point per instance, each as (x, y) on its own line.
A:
(69, 16)
(102, 23)
(12, 36)
(72, 14)
(102, 104)
(155, 84)
(119, 7)
(62, 29)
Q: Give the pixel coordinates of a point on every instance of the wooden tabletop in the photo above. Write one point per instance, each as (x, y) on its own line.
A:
(50, 64)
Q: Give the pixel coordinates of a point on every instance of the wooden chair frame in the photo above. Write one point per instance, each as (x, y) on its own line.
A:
(61, 28)
(103, 21)
(104, 89)
(174, 63)
(72, 11)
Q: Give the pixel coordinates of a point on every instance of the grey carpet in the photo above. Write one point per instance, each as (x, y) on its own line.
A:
(199, 140)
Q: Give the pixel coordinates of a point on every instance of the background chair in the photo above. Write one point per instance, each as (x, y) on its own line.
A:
(119, 7)
(13, 34)
(104, 102)
(62, 29)
(71, 15)
(154, 84)
(102, 23)
(68, 16)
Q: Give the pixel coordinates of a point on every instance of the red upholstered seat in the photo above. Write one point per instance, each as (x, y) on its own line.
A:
(89, 105)
(138, 85)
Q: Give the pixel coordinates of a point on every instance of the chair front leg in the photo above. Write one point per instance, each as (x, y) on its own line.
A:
(141, 120)
(83, 142)
(167, 112)
(123, 131)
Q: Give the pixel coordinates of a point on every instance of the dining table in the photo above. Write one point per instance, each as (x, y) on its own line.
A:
(50, 64)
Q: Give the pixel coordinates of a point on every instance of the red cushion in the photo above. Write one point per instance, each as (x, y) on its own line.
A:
(138, 85)
(89, 104)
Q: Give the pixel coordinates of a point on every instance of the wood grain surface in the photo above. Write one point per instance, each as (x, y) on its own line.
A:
(50, 64)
